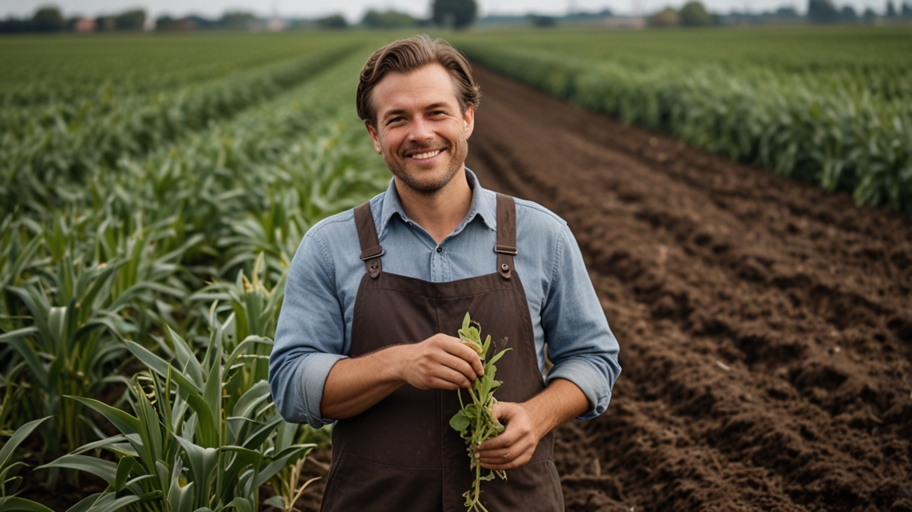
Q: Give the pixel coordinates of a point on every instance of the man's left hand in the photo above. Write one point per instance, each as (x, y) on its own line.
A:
(515, 446)
(528, 422)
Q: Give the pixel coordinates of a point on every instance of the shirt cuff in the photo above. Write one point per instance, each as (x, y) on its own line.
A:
(311, 378)
(590, 381)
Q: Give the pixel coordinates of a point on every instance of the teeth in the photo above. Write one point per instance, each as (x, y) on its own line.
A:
(423, 156)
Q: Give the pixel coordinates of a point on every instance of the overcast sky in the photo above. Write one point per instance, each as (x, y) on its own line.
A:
(355, 9)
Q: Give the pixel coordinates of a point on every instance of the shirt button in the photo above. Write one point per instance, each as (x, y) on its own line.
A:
(439, 249)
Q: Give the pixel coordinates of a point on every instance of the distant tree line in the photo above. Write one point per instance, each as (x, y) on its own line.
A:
(51, 19)
(694, 14)
(231, 20)
(456, 14)
(824, 11)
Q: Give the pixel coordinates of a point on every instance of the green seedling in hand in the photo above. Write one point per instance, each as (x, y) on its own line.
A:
(475, 421)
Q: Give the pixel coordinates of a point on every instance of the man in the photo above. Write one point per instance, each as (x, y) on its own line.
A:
(376, 294)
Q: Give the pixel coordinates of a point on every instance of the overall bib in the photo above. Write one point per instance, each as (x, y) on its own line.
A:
(401, 454)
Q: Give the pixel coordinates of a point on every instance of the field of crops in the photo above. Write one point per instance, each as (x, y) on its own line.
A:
(148, 219)
(153, 190)
(830, 105)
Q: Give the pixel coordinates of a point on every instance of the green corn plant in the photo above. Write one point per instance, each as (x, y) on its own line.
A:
(13, 395)
(254, 312)
(19, 257)
(189, 444)
(152, 256)
(72, 345)
(10, 502)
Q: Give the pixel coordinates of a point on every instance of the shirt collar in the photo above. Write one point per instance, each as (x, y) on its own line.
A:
(484, 204)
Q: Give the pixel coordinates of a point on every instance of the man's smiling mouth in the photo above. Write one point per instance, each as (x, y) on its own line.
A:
(425, 155)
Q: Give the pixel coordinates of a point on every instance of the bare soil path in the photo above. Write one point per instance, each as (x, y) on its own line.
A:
(765, 326)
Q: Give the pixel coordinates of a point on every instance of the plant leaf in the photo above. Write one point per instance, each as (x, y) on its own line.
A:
(459, 422)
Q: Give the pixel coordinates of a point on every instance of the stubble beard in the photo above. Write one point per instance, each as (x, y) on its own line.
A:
(456, 154)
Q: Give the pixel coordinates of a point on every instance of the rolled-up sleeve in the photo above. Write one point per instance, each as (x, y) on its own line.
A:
(309, 335)
(579, 341)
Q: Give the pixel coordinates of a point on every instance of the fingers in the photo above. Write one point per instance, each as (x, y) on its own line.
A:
(507, 457)
(515, 446)
(441, 362)
(454, 346)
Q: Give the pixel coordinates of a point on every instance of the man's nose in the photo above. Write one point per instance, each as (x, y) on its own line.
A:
(421, 130)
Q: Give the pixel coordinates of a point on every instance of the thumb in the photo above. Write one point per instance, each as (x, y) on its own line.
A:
(503, 411)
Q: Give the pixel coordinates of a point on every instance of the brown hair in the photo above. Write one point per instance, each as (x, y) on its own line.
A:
(407, 55)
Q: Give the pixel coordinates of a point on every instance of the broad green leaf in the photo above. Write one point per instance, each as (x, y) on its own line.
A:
(279, 463)
(16, 439)
(124, 467)
(459, 422)
(123, 421)
(162, 367)
(275, 501)
(14, 504)
(498, 356)
(149, 427)
(203, 463)
(106, 470)
(180, 497)
(241, 458)
(186, 360)
(239, 504)
(30, 355)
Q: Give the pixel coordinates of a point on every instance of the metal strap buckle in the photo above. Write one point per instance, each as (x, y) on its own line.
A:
(369, 256)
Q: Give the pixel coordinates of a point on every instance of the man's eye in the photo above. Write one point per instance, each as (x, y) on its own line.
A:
(394, 120)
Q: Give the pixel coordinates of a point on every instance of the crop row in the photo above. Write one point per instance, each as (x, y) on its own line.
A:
(173, 260)
(42, 70)
(828, 128)
(71, 141)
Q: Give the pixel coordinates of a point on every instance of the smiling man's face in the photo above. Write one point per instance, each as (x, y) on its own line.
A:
(420, 129)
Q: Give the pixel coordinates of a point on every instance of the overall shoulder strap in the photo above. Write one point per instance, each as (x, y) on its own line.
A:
(370, 245)
(506, 235)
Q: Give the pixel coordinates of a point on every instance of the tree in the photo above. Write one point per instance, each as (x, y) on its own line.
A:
(848, 14)
(130, 20)
(333, 22)
(15, 25)
(869, 15)
(906, 10)
(822, 11)
(48, 19)
(787, 12)
(388, 19)
(457, 14)
(104, 23)
(237, 20)
(891, 10)
(539, 21)
(693, 14)
(667, 17)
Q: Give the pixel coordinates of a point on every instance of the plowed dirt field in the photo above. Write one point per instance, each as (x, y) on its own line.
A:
(765, 326)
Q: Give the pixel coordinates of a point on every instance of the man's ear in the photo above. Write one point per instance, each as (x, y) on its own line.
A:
(469, 119)
(373, 134)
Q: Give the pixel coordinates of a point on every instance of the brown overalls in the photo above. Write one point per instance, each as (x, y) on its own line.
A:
(401, 454)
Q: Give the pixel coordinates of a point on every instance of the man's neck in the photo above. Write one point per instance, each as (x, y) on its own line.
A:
(441, 212)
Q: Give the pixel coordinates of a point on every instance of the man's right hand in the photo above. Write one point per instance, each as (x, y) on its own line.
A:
(356, 384)
(439, 362)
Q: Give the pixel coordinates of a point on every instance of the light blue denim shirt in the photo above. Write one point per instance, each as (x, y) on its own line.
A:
(315, 324)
